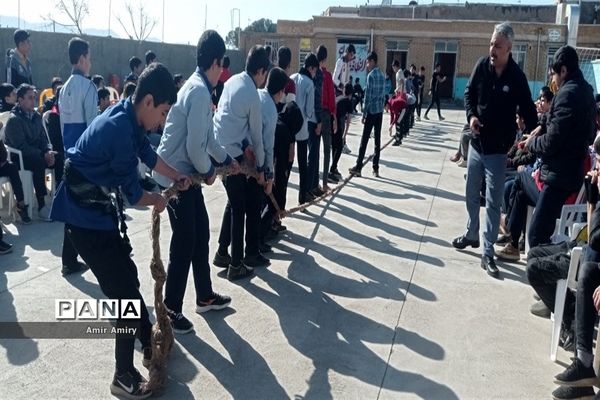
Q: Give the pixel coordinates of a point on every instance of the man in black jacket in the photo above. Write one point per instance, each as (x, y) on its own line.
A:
(496, 88)
(571, 127)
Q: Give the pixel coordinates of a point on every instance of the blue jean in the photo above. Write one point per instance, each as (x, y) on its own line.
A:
(547, 210)
(493, 168)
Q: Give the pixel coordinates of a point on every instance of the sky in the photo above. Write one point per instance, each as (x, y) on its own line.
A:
(185, 20)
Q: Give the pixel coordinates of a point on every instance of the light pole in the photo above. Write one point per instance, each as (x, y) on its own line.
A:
(237, 32)
(109, 14)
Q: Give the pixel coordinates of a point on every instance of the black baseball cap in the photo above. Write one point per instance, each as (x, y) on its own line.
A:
(20, 36)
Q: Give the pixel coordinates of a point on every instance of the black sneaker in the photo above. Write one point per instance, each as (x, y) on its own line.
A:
(75, 268)
(462, 242)
(570, 393)
(180, 323)
(578, 375)
(278, 227)
(5, 248)
(337, 175)
(147, 351)
(376, 173)
(130, 385)
(215, 302)
(397, 143)
(23, 212)
(354, 171)
(264, 248)
(222, 261)
(240, 272)
(332, 179)
(308, 197)
(318, 192)
(257, 260)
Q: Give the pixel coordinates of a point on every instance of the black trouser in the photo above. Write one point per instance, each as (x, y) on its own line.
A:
(547, 210)
(69, 253)
(372, 121)
(302, 156)
(419, 103)
(11, 171)
(545, 266)
(585, 311)
(109, 260)
(281, 157)
(245, 199)
(405, 123)
(37, 166)
(435, 99)
(189, 244)
(337, 146)
(524, 193)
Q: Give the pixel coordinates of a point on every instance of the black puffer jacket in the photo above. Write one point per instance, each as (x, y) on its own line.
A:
(571, 128)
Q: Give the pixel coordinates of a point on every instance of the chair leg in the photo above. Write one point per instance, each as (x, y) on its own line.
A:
(559, 309)
(597, 351)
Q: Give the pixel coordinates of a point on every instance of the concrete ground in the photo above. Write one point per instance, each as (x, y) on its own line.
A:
(365, 299)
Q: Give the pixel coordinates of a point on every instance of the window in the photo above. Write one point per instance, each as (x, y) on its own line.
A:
(274, 47)
(397, 45)
(446, 47)
(519, 53)
(550, 61)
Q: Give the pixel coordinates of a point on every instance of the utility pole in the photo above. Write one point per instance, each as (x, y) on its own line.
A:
(205, 15)
(233, 25)
(109, 15)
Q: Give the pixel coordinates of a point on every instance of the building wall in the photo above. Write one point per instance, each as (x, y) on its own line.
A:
(466, 11)
(472, 38)
(49, 55)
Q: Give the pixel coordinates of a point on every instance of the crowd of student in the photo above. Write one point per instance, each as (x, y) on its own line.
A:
(255, 125)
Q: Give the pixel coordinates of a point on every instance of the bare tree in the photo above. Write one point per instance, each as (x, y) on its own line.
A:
(141, 24)
(74, 10)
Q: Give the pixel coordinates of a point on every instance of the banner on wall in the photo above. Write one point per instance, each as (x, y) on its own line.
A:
(358, 66)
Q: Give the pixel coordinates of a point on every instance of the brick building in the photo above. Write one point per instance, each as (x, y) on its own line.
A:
(454, 35)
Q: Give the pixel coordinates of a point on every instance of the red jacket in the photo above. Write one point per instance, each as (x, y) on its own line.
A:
(328, 96)
(397, 103)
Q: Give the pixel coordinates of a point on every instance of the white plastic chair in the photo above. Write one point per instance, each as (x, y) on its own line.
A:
(26, 179)
(6, 190)
(562, 285)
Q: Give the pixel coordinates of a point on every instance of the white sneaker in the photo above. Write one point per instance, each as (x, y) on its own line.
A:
(462, 163)
(44, 214)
